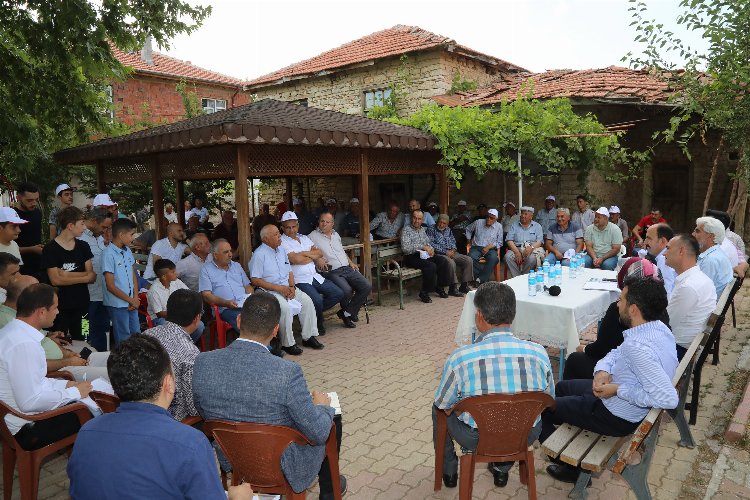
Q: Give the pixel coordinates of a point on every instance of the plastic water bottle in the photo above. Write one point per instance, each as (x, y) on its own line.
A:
(532, 284)
(581, 263)
(573, 267)
(558, 274)
(546, 271)
(539, 282)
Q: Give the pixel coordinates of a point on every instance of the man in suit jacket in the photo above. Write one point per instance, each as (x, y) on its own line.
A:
(246, 383)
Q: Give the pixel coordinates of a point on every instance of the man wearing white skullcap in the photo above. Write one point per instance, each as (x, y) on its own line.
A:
(616, 219)
(524, 237)
(486, 237)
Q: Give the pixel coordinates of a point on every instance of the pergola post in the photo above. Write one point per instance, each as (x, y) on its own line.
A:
(180, 201)
(242, 203)
(157, 192)
(288, 197)
(101, 186)
(443, 190)
(364, 216)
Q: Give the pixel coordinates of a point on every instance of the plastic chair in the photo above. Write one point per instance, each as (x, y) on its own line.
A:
(29, 462)
(61, 374)
(143, 309)
(254, 450)
(504, 422)
(218, 330)
(108, 403)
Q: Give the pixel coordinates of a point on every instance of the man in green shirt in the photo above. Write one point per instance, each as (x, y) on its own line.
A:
(603, 242)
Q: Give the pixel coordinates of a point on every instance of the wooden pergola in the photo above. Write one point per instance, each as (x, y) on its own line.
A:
(269, 139)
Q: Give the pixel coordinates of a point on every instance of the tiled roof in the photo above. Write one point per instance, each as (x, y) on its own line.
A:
(264, 122)
(390, 42)
(613, 83)
(170, 67)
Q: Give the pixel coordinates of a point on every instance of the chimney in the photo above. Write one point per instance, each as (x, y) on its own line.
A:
(147, 52)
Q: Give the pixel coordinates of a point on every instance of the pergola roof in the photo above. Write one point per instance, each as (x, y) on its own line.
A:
(264, 122)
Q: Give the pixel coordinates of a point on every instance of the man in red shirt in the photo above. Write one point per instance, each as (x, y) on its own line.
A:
(639, 231)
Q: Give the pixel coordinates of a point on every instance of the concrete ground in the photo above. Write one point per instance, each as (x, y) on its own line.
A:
(386, 374)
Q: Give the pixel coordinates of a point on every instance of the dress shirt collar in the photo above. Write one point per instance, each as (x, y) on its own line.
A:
(501, 330)
(646, 331)
(253, 342)
(139, 406)
(687, 273)
(708, 251)
(35, 334)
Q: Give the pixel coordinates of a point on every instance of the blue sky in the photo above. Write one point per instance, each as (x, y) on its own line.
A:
(250, 38)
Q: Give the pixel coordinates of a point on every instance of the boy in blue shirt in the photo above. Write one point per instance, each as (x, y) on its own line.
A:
(121, 281)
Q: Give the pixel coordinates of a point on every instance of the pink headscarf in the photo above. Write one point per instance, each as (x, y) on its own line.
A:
(638, 267)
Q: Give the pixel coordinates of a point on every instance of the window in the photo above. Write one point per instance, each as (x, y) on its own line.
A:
(213, 105)
(376, 98)
(300, 102)
(110, 111)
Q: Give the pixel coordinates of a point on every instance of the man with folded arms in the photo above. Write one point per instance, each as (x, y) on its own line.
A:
(276, 394)
(171, 247)
(189, 268)
(524, 238)
(693, 297)
(23, 369)
(496, 363)
(419, 254)
(343, 271)
(485, 237)
(547, 215)
(656, 241)
(628, 382)
(603, 242)
(442, 240)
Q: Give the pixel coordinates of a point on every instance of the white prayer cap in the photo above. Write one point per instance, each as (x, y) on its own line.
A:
(527, 208)
(550, 197)
(614, 209)
(603, 211)
(63, 187)
(354, 200)
(103, 200)
(7, 214)
(462, 203)
(288, 216)
(492, 211)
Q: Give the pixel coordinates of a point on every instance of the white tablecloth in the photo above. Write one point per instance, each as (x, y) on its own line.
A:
(553, 321)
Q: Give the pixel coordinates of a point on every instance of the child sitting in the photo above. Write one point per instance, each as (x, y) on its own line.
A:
(163, 286)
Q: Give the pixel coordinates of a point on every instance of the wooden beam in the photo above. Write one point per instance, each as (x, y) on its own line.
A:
(443, 191)
(364, 217)
(288, 197)
(242, 204)
(157, 190)
(180, 188)
(101, 186)
(252, 197)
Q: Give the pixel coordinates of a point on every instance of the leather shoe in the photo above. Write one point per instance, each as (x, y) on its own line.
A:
(424, 297)
(500, 477)
(565, 473)
(321, 329)
(312, 343)
(349, 322)
(441, 293)
(464, 288)
(450, 481)
(453, 292)
(354, 318)
(294, 350)
(329, 496)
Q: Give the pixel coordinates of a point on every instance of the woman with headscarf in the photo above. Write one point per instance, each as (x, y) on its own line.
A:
(580, 364)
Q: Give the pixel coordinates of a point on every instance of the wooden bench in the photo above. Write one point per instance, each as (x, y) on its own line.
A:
(390, 266)
(593, 452)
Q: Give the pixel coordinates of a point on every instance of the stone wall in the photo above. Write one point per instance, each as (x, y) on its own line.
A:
(164, 104)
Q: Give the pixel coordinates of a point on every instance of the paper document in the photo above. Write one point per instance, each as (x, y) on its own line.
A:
(599, 284)
(335, 402)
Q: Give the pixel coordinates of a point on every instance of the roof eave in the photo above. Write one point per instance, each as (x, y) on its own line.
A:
(170, 76)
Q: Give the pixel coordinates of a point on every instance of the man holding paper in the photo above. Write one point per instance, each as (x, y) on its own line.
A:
(419, 253)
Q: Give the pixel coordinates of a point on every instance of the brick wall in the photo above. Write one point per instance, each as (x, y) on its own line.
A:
(164, 103)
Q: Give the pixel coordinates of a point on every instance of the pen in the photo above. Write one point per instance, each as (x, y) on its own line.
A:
(84, 377)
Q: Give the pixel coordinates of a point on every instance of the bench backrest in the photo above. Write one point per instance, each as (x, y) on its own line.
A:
(390, 253)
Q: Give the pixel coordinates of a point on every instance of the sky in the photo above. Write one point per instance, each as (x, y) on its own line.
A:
(250, 38)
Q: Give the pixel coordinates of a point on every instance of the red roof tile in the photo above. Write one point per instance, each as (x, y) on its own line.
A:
(613, 83)
(170, 67)
(390, 42)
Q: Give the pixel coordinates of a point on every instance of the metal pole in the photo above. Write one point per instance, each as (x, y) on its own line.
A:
(520, 182)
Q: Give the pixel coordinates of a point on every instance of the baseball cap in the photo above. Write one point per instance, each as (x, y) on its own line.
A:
(288, 216)
(331, 200)
(509, 203)
(462, 203)
(63, 187)
(614, 209)
(354, 200)
(7, 214)
(492, 211)
(103, 200)
(603, 211)
(527, 208)
(550, 197)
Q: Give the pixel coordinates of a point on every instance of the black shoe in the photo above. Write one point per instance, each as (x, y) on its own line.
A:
(500, 477)
(441, 293)
(565, 473)
(453, 292)
(349, 322)
(424, 297)
(329, 496)
(294, 350)
(450, 481)
(464, 288)
(276, 351)
(354, 318)
(321, 329)
(312, 343)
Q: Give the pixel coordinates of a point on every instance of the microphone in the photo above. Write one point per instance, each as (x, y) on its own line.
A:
(554, 290)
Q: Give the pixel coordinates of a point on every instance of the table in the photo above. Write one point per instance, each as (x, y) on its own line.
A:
(552, 321)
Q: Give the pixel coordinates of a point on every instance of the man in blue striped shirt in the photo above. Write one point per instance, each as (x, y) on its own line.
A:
(629, 381)
(497, 363)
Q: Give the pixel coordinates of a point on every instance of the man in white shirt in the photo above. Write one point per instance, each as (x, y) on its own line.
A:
(200, 211)
(189, 268)
(694, 295)
(23, 368)
(171, 247)
(656, 240)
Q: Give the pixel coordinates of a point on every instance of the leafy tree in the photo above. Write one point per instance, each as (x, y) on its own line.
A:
(190, 99)
(712, 91)
(57, 61)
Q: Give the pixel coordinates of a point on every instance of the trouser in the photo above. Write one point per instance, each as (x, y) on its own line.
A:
(229, 315)
(608, 265)
(196, 335)
(39, 434)
(579, 365)
(323, 295)
(355, 287)
(576, 404)
(461, 268)
(124, 322)
(324, 476)
(514, 269)
(553, 260)
(98, 325)
(436, 267)
(307, 318)
(483, 272)
(69, 321)
(467, 437)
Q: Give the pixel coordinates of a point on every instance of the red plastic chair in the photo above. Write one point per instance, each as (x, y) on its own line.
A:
(108, 403)
(254, 450)
(29, 462)
(504, 422)
(143, 309)
(218, 329)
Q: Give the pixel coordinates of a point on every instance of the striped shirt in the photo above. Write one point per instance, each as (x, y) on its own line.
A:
(643, 367)
(413, 240)
(441, 240)
(497, 363)
(482, 235)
